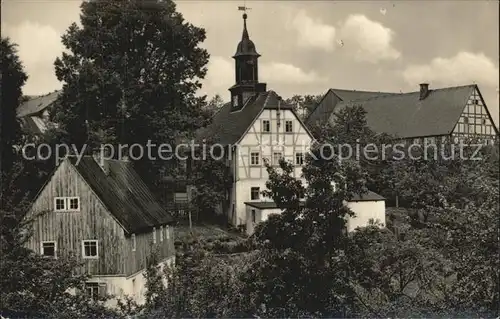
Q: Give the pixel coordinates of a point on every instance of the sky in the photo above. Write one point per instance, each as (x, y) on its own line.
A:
(307, 47)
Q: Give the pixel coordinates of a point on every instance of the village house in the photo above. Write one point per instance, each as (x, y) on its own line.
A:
(257, 125)
(423, 116)
(34, 113)
(102, 212)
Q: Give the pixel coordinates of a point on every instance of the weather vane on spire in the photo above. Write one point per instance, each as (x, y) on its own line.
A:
(244, 8)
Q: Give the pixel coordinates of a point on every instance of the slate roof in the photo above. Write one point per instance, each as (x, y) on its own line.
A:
(37, 104)
(228, 127)
(123, 193)
(403, 114)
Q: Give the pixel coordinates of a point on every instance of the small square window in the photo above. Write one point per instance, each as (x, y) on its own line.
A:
(254, 158)
(253, 215)
(74, 203)
(90, 249)
(289, 126)
(299, 159)
(254, 193)
(59, 204)
(48, 249)
(266, 126)
(92, 290)
(476, 101)
(466, 120)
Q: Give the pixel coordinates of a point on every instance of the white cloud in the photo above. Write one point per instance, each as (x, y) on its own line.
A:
(465, 67)
(38, 47)
(371, 41)
(287, 74)
(313, 33)
(221, 76)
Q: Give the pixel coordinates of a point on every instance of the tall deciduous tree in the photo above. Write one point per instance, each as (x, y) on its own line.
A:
(301, 271)
(12, 79)
(304, 104)
(131, 75)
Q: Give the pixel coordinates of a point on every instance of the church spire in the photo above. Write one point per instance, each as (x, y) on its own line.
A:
(245, 36)
(246, 69)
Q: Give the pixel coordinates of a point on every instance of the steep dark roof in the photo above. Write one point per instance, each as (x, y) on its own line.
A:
(404, 114)
(123, 193)
(321, 113)
(228, 127)
(37, 104)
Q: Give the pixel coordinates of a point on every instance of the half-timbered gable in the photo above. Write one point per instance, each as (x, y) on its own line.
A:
(475, 118)
(107, 217)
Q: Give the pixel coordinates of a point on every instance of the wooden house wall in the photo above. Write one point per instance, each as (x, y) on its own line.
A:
(136, 260)
(68, 229)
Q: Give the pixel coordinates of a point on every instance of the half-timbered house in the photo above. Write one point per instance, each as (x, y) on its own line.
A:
(256, 126)
(426, 115)
(105, 215)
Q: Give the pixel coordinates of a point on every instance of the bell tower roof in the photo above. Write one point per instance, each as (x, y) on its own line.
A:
(246, 47)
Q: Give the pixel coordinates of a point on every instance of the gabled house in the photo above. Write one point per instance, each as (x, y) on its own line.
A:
(255, 126)
(425, 115)
(105, 215)
(34, 113)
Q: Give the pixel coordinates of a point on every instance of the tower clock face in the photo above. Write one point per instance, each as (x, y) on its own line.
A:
(235, 100)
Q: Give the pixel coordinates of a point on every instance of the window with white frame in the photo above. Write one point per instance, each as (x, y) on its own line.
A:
(154, 235)
(254, 158)
(73, 203)
(288, 126)
(67, 204)
(134, 243)
(59, 204)
(161, 234)
(167, 230)
(90, 249)
(48, 249)
(254, 193)
(94, 290)
(299, 158)
(266, 126)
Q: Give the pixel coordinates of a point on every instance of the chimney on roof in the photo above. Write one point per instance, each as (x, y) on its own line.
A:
(424, 90)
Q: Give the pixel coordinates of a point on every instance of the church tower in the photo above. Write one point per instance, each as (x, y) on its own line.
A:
(247, 71)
